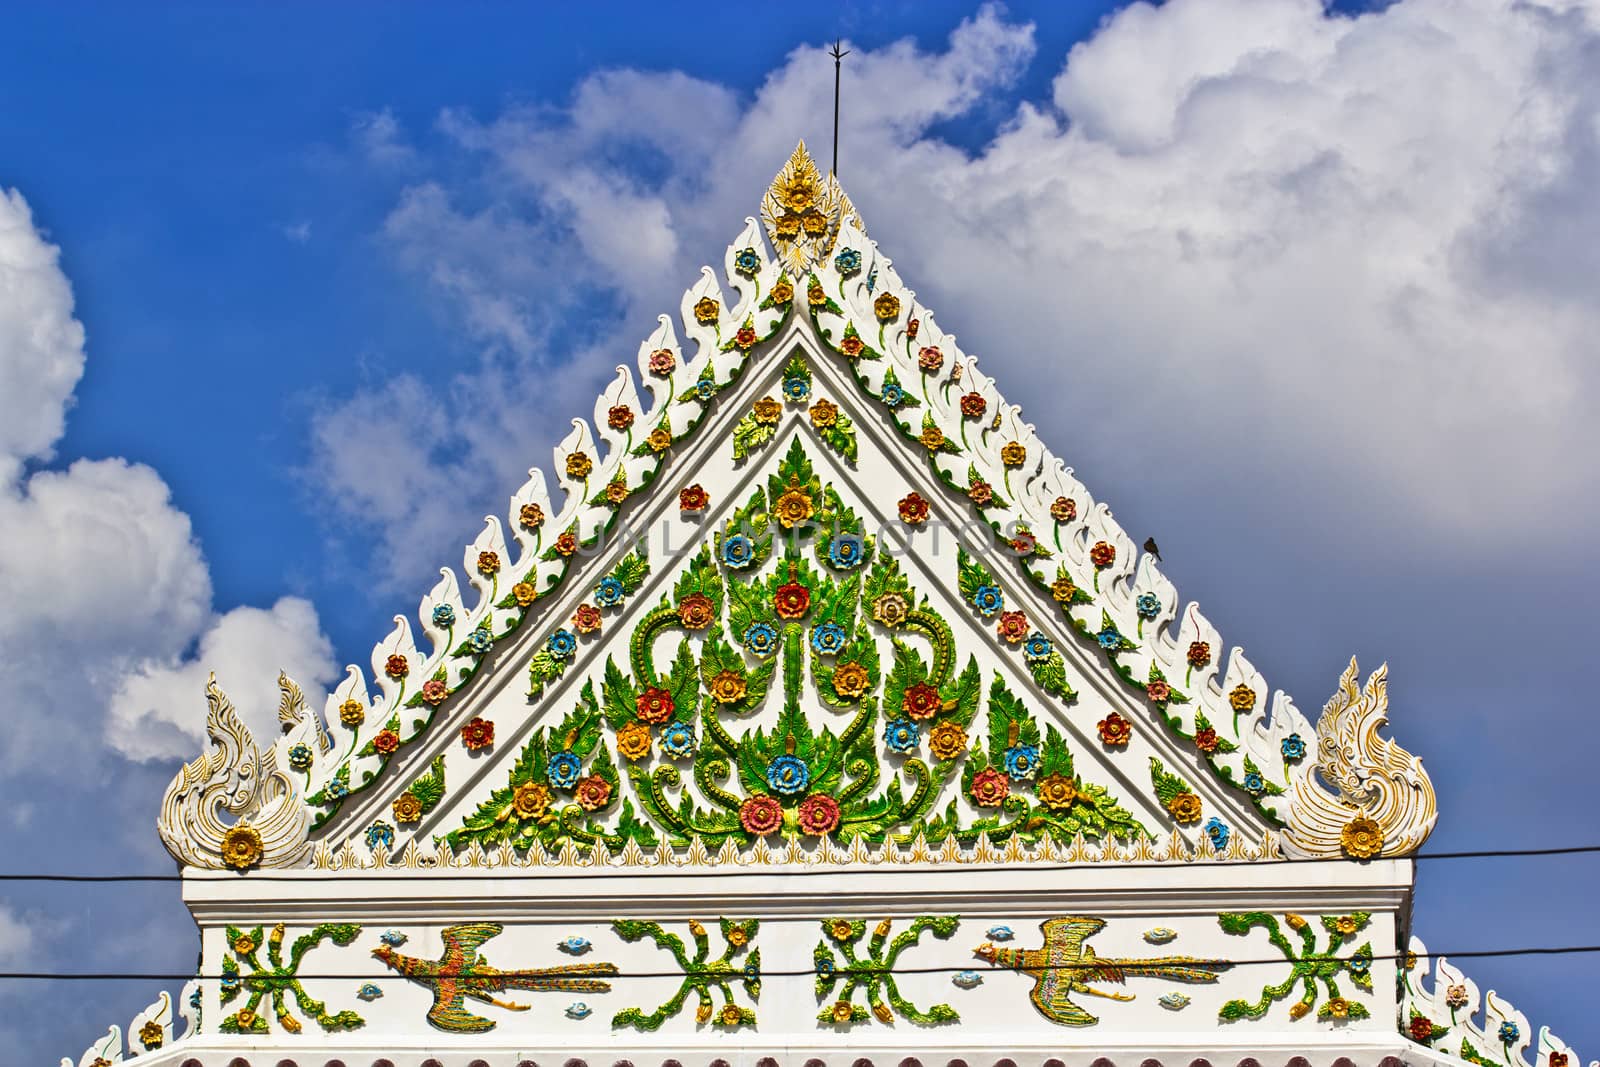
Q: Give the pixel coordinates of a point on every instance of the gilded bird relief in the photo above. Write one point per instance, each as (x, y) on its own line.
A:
(1064, 966)
(463, 972)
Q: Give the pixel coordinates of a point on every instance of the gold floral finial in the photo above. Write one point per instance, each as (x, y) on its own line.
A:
(802, 211)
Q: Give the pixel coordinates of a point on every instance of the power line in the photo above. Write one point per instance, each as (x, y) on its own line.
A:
(395, 875)
(843, 972)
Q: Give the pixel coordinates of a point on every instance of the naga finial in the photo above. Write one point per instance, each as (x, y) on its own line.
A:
(270, 820)
(1382, 802)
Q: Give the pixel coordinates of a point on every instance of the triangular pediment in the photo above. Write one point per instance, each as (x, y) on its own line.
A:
(1088, 708)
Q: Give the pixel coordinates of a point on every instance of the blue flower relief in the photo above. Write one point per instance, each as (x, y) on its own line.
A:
(761, 639)
(828, 638)
(481, 640)
(392, 938)
(848, 261)
(578, 1010)
(677, 740)
(300, 758)
(752, 967)
(1509, 1032)
(845, 551)
(230, 981)
(796, 390)
(747, 262)
(1218, 832)
(370, 991)
(705, 388)
(609, 592)
(336, 789)
(901, 735)
(988, 599)
(824, 966)
(564, 769)
(444, 616)
(1109, 639)
(1037, 647)
(1000, 933)
(1022, 762)
(788, 775)
(1254, 784)
(380, 833)
(574, 945)
(1148, 605)
(893, 396)
(967, 979)
(1293, 747)
(1359, 964)
(562, 644)
(738, 552)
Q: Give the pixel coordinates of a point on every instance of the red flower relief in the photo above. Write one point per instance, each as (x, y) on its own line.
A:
(434, 691)
(386, 741)
(620, 417)
(586, 620)
(791, 600)
(1013, 626)
(981, 493)
(479, 733)
(930, 359)
(818, 815)
(851, 345)
(1199, 653)
(1422, 1030)
(911, 329)
(567, 543)
(745, 338)
(1024, 543)
(654, 705)
(1206, 740)
(593, 793)
(761, 815)
(989, 788)
(1114, 730)
(973, 405)
(1158, 691)
(1064, 509)
(662, 362)
(396, 666)
(913, 509)
(696, 611)
(1103, 554)
(694, 498)
(921, 701)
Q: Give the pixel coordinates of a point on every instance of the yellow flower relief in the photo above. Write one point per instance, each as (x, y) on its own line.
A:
(794, 506)
(579, 465)
(824, 414)
(1013, 454)
(782, 293)
(728, 687)
(886, 307)
(932, 438)
(842, 1011)
(767, 410)
(241, 847)
(731, 1015)
(1362, 838)
(660, 439)
(352, 713)
(706, 310)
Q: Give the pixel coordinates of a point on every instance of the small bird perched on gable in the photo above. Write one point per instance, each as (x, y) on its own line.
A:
(1150, 547)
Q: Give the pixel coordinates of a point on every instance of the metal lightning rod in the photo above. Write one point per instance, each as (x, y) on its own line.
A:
(838, 62)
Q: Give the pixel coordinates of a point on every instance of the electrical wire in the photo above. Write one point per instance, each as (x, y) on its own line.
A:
(845, 971)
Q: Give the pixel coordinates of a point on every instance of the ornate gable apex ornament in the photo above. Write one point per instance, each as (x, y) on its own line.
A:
(1106, 616)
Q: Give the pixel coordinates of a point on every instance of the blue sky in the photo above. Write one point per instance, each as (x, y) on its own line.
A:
(1309, 294)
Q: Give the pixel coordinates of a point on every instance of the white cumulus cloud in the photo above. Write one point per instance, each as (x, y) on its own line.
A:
(108, 597)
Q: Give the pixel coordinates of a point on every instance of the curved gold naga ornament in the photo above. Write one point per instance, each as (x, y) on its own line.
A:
(1383, 803)
(270, 820)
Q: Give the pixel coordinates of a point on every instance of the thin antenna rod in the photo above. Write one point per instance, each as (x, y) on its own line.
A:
(838, 62)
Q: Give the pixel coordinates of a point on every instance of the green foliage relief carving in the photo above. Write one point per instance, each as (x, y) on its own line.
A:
(789, 608)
